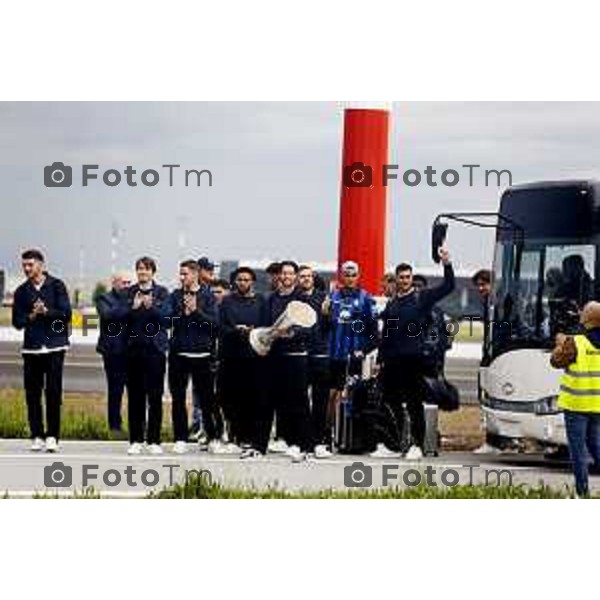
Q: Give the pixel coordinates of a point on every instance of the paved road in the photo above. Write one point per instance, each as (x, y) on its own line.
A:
(83, 371)
(22, 472)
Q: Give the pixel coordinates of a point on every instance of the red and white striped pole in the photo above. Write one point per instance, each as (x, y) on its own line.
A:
(363, 222)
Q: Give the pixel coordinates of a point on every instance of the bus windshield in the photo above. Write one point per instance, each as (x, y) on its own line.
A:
(539, 290)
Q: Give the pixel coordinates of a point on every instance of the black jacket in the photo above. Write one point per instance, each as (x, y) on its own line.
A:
(113, 310)
(147, 328)
(196, 332)
(405, 319)
(51, 330)
(240, 310)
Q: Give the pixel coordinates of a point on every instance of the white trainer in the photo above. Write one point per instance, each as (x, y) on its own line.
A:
(135, 448)
(414, 453)
(51, 444)
(382, 451)
(295, 454)
(250, 454)
(37, 445)
(486, 448)
(278, 446)
(217, 447)
(321, 451)
(180, 447)
(232, 448)
(155, 449)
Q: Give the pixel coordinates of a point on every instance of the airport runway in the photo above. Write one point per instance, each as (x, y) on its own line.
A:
(83, 370)
(23, 473)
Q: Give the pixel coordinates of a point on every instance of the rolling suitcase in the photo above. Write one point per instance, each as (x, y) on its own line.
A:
(352, 433)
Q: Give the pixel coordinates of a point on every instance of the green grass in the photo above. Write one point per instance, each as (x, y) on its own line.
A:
(83, 417)
(200, 489)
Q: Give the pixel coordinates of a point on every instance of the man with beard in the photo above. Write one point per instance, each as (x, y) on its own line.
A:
(241, 373)
(194, 322)
(41, 307)
(318, 362)
(288, 374)
(402, 350)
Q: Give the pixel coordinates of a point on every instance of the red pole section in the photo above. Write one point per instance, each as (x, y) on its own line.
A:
(363, 224)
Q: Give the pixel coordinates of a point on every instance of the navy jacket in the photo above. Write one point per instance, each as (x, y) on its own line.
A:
(196, 332)
(405, 319)
(318, 340)
(147, 328)
(276, 305)
(51, 330)
(113, 311)
(240, 310)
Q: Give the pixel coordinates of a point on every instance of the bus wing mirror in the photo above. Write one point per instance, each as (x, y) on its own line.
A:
(438, 237)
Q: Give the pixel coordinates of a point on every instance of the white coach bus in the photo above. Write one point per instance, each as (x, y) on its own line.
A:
(545, 268)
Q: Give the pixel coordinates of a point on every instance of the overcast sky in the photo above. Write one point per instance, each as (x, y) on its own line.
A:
(276, 176)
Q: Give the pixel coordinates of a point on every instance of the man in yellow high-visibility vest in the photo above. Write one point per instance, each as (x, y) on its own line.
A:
(579, 394)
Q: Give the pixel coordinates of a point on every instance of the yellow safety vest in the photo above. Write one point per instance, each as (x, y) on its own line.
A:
(580, 383)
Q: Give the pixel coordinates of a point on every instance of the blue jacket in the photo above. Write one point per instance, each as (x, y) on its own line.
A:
(147, 328)
(353, 323)
(51, 330)
(197, 331)
(113, 311)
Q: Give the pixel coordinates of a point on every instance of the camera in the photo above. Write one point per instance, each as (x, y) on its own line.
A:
(358, 475)
(358, 175)
(58, 175)
(58, 475)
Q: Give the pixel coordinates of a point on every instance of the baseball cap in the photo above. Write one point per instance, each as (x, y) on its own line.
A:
(206, 264)
(350, 268)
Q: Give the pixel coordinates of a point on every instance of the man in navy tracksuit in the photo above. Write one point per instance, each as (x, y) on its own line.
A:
(113, 310)
(288, 374)
(241, 375)
(42, 308)
(194, 319)
(402, 348)
(318, 362)
(147, 323)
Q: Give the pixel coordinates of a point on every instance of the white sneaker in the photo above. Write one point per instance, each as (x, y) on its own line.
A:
(232, 448)
(51, 444)
(383, 451)
(135, 448)
(295, 454)
(155, 449)
(321, 451)
(37, 445)
(485, 448)
(414, 453)
(250, 454)
(278, 446)
(180, 447)
(217, 447)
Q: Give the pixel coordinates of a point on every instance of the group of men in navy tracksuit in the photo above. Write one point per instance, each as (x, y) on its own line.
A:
(147, 333)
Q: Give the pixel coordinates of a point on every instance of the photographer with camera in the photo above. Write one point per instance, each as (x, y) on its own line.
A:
(42, 308)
